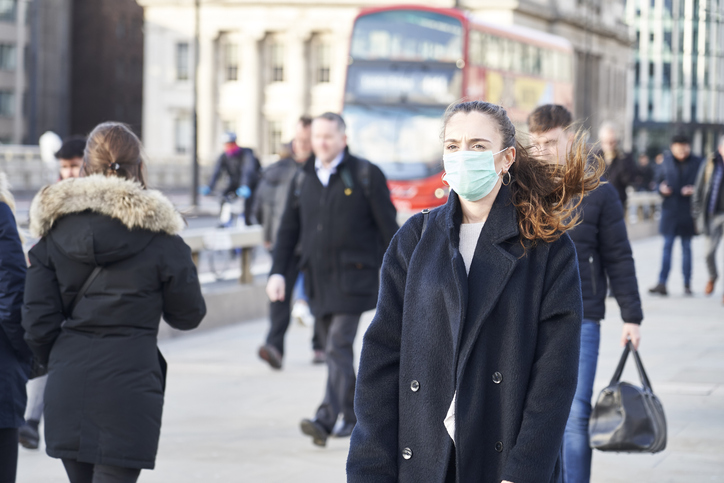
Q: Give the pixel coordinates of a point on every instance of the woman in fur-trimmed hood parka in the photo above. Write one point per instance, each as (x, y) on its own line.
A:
(106, 378)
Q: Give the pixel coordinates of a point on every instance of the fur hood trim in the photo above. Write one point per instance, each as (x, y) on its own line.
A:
(5, 195)
(119, 198)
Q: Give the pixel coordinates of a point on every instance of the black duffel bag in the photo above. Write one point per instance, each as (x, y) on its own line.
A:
(626, 417)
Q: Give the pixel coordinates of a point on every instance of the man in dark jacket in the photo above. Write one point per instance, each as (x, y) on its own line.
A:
(707, 205)
(243, 171)
(676, 184)
(342, 217)
(15, 355)
(269, 202)
(604, 252)
(620, 168)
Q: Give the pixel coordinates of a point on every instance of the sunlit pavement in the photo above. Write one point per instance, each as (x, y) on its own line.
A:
(230, 418)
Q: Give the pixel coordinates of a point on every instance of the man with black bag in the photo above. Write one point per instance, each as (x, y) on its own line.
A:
(340, 213)
(604, 253)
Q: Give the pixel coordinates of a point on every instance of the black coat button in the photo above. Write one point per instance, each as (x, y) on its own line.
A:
(499, 447)
(415, 386)
(407, 453)
(497, 378)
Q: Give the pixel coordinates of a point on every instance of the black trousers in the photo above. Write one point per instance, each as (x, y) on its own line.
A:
(89, 473)
(280, 313)
(8, 454)
(340, 331)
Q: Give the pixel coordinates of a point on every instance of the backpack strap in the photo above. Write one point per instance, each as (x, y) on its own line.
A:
(363, 176)
(84, 289)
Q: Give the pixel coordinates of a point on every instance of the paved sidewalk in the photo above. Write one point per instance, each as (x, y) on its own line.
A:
(229, 418)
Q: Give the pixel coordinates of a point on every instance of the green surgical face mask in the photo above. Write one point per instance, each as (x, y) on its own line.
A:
(471, 174)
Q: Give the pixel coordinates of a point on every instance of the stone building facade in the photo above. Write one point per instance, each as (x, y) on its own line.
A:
(263, 64)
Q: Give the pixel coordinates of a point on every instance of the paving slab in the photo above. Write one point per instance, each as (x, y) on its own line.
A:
(230, 418)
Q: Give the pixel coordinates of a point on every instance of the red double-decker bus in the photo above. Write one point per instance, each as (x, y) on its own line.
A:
(408, 63)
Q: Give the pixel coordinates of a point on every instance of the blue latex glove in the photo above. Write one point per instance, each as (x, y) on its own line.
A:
(204, 190)
(243, 192)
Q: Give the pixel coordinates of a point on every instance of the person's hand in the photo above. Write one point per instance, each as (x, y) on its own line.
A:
(664, 189)
(687, 190)
(275, 288)
(268, 245)
(243, 192)
(204, 190)
(633, 332)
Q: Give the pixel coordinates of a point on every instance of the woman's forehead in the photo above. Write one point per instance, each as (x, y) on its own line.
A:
(471, 125)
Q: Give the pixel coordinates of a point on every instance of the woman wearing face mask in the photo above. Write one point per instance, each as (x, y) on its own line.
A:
(469, 368)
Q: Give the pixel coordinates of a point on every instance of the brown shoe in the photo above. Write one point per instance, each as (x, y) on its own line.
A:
(709, 289)
(659, 289)
(271, 355)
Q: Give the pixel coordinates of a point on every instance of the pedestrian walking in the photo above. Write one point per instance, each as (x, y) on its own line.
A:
(70, 160)
(15, 355)
(341, 216)
(243, 171)
(469, 367)
(108, 265)
(269, 202)
(707, 205)
(676, 184)
(620, 167)
(604, 254)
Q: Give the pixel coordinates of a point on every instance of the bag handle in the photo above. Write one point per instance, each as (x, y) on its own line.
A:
(639, 366)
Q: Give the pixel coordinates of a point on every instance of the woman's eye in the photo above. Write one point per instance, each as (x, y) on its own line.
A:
(451, 147)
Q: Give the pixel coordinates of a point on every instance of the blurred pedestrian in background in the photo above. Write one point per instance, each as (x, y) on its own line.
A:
(70, 159)
(107, 236)
(341, 216)
(620, 168)
(644, 177)
(604, 254)
(469, 367)
(270, 201)
(15, 355)
(243, 171)
(708, 209)
(676, 184)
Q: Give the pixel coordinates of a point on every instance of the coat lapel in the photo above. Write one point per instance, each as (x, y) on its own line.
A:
(490, 271)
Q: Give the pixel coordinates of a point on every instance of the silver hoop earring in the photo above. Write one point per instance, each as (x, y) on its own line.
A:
(510, 178)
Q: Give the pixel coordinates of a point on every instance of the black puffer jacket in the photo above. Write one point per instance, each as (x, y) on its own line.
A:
(105, 390)
(604, 252)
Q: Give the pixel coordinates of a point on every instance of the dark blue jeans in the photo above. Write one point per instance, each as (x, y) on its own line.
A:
(576, 448)
(666, 262)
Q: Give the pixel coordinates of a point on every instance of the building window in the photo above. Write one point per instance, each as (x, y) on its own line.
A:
(7, 57)
(182, 134)
(228, 125)
(182, 61)
(8, 10)
(274, 137)
(276, 58)
(666, 81)
(324, 62)
(231, 62)
(7, 103)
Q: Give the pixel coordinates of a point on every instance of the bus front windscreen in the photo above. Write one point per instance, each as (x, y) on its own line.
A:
(407, 35)
(403, 142)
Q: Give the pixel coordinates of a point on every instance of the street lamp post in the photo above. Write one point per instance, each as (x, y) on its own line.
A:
(195, 152)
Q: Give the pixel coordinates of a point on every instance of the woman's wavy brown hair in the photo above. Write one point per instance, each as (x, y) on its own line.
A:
(546, 195)
(114, 150)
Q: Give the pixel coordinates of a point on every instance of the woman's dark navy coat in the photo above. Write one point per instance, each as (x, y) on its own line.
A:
(15, 356)
(676, 217)
(506, 337)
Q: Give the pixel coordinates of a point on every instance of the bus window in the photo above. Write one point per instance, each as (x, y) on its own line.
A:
(407, 35)
(494, 53)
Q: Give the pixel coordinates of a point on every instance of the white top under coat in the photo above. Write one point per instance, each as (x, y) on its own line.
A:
(325, 173)
(469, 234)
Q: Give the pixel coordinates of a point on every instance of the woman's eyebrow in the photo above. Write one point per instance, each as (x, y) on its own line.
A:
(473, 140)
